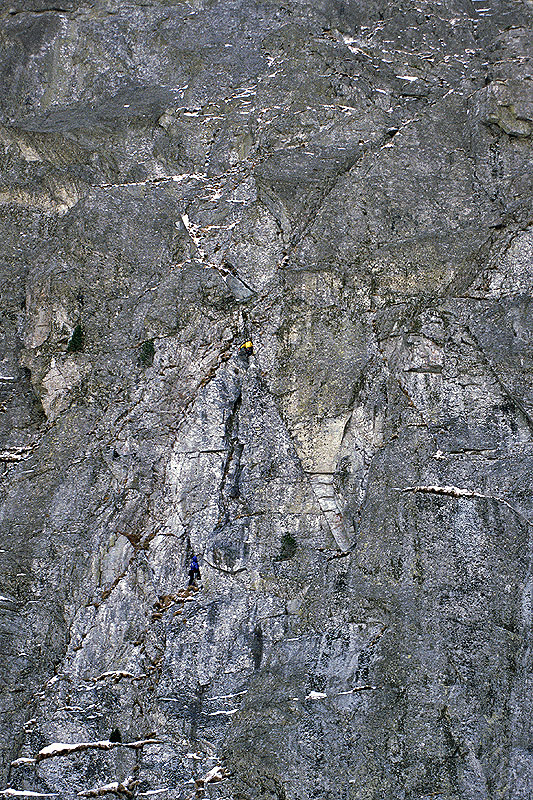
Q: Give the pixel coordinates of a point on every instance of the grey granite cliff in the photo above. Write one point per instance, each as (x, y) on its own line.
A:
(349, 186)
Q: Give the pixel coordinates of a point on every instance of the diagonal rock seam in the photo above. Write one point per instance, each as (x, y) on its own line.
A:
(324, 491)
(458, 493)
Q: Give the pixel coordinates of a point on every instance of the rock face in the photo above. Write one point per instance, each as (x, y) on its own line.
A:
(349, 186)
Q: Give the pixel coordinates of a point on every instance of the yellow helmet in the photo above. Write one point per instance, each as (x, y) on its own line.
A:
(247, 345)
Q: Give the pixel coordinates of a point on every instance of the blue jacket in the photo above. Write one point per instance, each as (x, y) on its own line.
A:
(194, 564)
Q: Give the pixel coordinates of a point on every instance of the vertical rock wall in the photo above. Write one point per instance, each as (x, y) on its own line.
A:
(348, 185)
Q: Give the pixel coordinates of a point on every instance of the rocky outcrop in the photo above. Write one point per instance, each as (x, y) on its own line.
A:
(348, 186)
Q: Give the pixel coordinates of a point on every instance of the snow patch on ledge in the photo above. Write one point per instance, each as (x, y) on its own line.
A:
(451, 491)
(193, 176)
(228, 713)
(214, 775)
(106, 789)
(64, 749)
(455, 491)
(124, 788)
(117, 675)
(16, 453)
(227, 696)
(322, 695)
(23, 793)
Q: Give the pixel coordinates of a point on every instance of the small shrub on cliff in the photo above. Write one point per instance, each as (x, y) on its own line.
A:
(146, 353)
(76, 340)
(288, 547)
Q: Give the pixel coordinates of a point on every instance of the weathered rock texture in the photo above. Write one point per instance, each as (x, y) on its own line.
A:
(348, 184)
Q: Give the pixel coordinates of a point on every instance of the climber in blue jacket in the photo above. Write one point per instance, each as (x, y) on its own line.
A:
(194, 571)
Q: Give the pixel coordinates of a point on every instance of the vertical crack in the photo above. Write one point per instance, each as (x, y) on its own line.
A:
(229, 485)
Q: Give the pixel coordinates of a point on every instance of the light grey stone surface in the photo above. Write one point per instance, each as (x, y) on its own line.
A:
(349, 185)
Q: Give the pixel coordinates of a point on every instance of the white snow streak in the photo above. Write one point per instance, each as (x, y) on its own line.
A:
(17, 793)
(64, 749)
(223, 713)
(450, 491)
(114, 786)
(227, 696)
(116, 674)
(108, 787)
(454, 491)
(196, 176)
(214, 774)
(16, 453)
